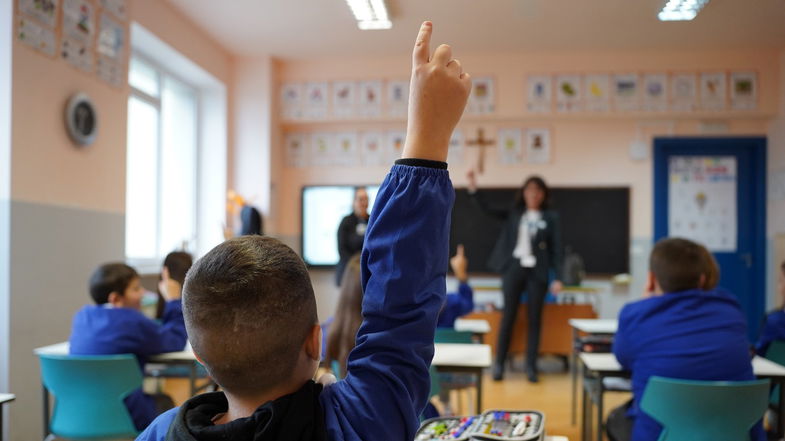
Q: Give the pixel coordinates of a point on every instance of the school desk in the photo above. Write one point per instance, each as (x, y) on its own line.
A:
(597, 367)
(4, 398)
(467, 358)
(582, 328)
(478, 327)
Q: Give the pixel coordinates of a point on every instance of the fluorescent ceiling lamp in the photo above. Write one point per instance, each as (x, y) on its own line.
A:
(680, 10)
(370, 14)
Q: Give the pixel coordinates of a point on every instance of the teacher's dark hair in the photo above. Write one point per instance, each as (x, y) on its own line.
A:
(520, 202)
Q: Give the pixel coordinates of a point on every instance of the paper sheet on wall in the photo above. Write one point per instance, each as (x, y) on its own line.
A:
(626, 92)
(347, 152)
(118, 8)
(655, 92)
(344, 99)
(538, 146)
(568, 93)
(482, 100)
(744, 90)
(510, 146)
(79, 21)
(370, 99)
(372, 149)
(316, 100)
(78, 54)
(397, 98)
(713, 91)
(702, 200)
(684, 92)
(110, 71)
(539, 94)
(44, 11)
(296, 150)
(455, 155)
(36, 36)
(394, 141)
(322, 151)
(111, 39)
(597, 90)
(292, 101)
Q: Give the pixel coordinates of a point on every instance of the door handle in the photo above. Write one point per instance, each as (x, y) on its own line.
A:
(747, 258)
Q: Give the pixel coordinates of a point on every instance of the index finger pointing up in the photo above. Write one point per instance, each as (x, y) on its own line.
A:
(422, 50)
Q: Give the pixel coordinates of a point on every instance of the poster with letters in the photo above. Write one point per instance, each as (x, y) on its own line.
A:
(78, 54)
(482, 100)
(510, 146)
(118, 8)
(744, 90)
(455, 155)
(370, 99)
(395, 140)
(397, 98)
(316, 100)
(43, 11)
(292, 101)
(684, 92)
(539, 96)
(702, 200)
(296, 150)
(36, 36)
(568, 93)
(79, 21)
(538, 146)
(344, 94)
(347, 152)
(713, 90)
(322, 151)
(372, 149)
(626, 92)
(598, 96)
(655, 92)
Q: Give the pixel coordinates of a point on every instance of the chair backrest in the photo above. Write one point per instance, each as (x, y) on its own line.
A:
(89, 393)
(776, 352)
(449, 335)
(336, 368)
(705, 410)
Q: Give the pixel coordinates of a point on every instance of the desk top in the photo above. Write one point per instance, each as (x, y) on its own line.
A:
(55, 349)
(607, 363)
(476, 326)
(461, 355)
(595, 326)
(4, 398)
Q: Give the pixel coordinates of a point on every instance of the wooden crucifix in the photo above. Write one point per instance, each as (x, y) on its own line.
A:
(480, 142)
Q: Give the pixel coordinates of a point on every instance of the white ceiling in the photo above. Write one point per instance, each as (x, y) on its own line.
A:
(300, 29)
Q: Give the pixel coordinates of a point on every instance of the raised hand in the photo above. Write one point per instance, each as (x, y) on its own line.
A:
(460, 264)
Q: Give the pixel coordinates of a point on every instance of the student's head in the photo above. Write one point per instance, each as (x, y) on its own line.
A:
(117, 284)
(360, 204)
(679, 265)
(251, 317)
(534, 194)
(176, 265)
(348, 315)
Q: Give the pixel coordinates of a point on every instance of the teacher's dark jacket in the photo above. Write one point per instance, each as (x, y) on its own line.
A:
(546, 244)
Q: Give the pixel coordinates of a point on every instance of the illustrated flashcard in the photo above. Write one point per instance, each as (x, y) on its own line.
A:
(455, 155)
(702, 200)
(568, 93)
(372, 149)
(539, 94)
(322, 150)
(597, 93)
(296, 150)
(684, 92)
(45, 11)
(395, 142)
(344, 99)
(482, 100)
(370, 99)
(292, 101)
(78, 54)
(655, 92)
(744, 90)
(316, 100)
(111, 39)
(538, 146)
(626, 96)
(110, 71)
(397, 98)
(510, 146)
(713, 90)
(36, 36)
(79, 21)
(346, 149)
(118, 8)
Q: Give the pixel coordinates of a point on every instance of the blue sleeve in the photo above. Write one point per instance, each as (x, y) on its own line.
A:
(772, 330)
(404, 266)
(623, 343)
(169, 336)
(465, 299)
(158, 429)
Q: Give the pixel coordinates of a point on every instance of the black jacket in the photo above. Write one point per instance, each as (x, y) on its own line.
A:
(546, 244)
(293, 417)
(349, 242)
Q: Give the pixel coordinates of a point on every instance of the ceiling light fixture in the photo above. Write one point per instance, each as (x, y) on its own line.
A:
(680, 10)
(370, 14)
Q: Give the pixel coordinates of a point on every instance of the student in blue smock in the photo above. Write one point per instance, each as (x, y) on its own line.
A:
(462, 302)
(684, 328)
(774, 328)
(115, 325)
(251, 313)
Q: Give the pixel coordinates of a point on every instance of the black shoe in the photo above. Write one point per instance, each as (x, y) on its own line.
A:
(497, 371)
(531, 375)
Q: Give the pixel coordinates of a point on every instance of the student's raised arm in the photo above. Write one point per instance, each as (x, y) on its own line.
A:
(404, 264)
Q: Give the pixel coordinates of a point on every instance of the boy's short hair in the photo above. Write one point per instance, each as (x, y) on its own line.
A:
(109, 278)
(249, 306)
(678, 264)
(178, 263)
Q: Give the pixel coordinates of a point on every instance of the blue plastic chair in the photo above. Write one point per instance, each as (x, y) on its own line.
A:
(89, 393)
(705, 410)
(449, 335)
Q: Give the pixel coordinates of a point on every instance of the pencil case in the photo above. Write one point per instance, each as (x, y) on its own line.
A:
(510, 425)
(457, 428)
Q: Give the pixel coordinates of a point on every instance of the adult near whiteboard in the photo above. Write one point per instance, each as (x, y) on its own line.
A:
(528, 247)
(351, 231)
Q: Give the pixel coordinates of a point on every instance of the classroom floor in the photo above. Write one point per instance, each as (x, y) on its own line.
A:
(552, 396)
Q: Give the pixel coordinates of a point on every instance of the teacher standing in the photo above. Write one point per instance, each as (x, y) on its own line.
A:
(528, 247)
(351, 232)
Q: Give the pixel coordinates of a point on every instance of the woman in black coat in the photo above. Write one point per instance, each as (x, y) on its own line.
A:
(351, 232)
(524, 264)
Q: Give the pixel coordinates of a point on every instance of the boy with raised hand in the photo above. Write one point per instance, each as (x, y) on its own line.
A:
(684, 328)
(251, 313)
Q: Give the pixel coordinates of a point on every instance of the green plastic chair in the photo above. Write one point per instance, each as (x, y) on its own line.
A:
(336, 368)
(89, 393)
(776, 353)
(449, 335)
(705, 410)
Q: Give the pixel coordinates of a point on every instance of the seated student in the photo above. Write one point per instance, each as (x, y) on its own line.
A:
(348, 315)
(684, 328)
(774, 327)
(251, 313)
(115, 325)
(176, 265)
(460, 303)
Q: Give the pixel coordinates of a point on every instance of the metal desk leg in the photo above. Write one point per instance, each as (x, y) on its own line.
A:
(46, 411)
(600, 396)
(586, 420)
(2, 417)
(574, 373)
(781, 412)
(479, 391)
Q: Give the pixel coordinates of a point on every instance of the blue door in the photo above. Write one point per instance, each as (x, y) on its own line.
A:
(742, 264)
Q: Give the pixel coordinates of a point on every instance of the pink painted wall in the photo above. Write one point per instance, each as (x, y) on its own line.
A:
(587, 150)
